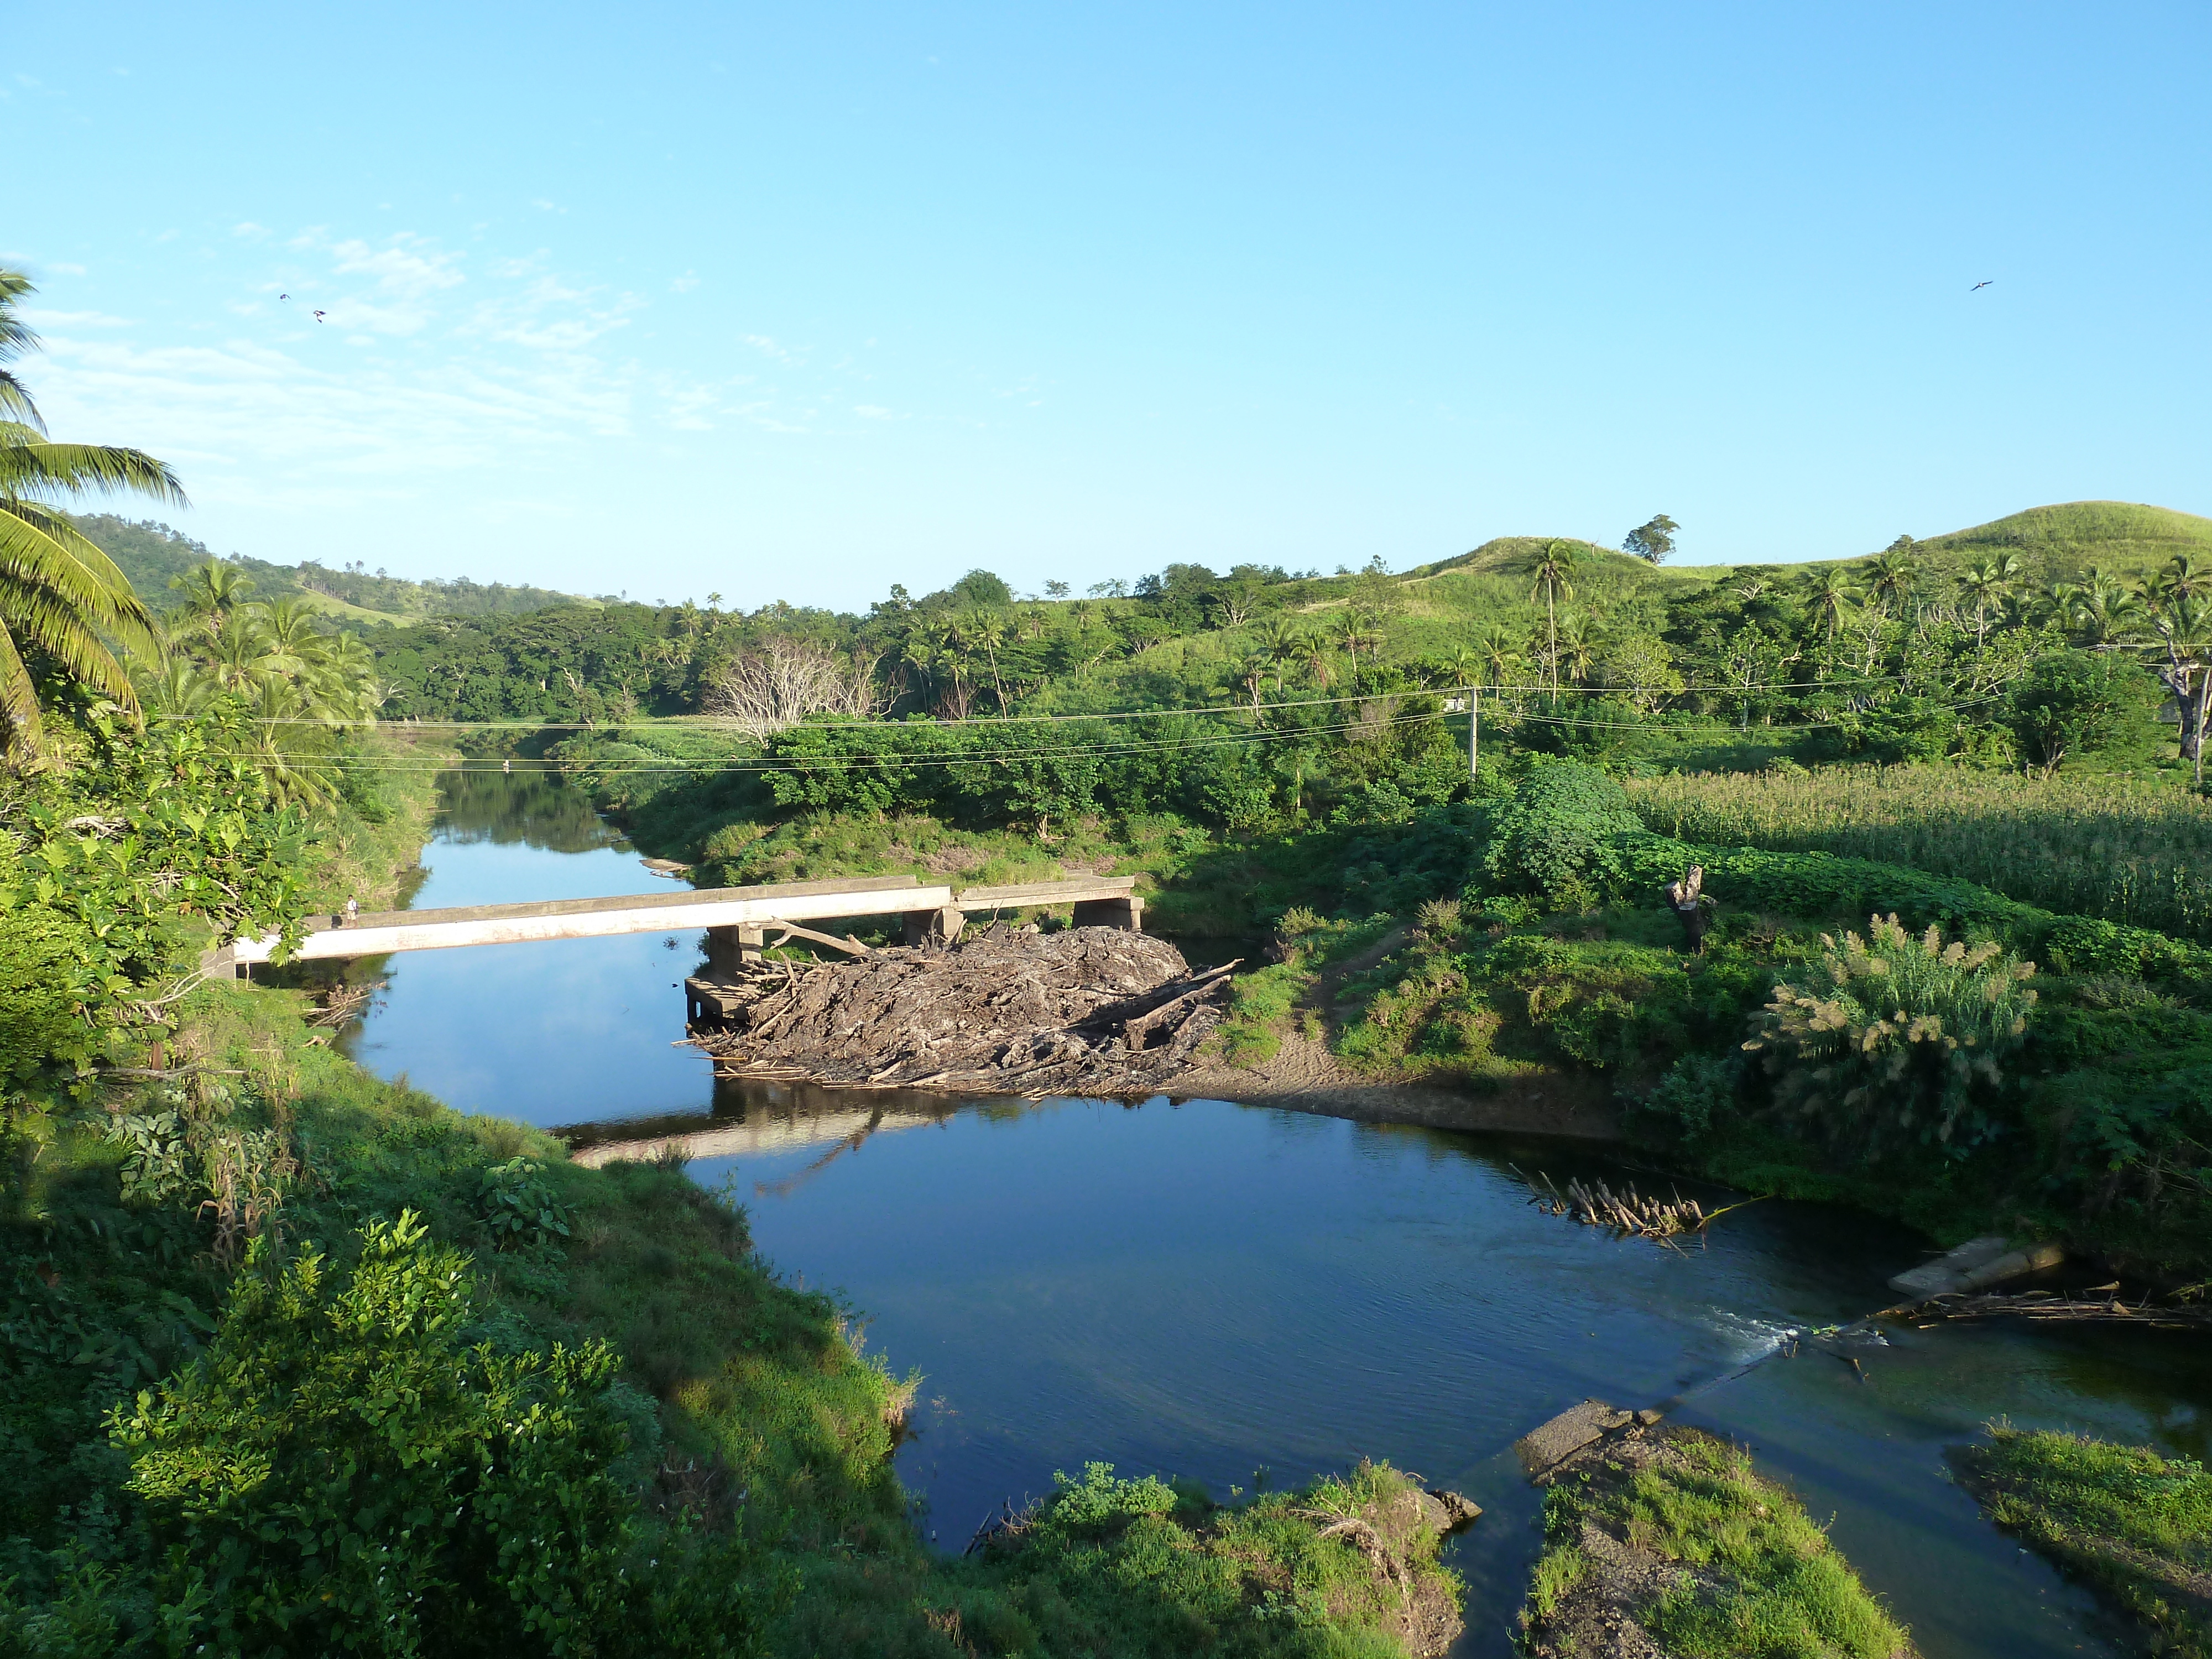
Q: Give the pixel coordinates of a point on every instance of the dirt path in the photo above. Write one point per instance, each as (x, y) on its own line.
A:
(1302, 1075)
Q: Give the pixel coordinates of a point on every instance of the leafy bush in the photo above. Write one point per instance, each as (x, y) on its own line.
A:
(2073, 702)
(517, 1207)
(341, 1473)
(1697, 1092)
(1896, 1035)
(1549, 838)
(39, 1021)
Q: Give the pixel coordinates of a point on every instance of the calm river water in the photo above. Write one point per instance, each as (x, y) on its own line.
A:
(1239, 1294)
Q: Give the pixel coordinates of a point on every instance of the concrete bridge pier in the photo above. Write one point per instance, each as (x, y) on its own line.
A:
(728, 946)
(1126, 912)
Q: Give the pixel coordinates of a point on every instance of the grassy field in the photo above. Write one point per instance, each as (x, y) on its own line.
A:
(2132, 849)
(2137, 1525)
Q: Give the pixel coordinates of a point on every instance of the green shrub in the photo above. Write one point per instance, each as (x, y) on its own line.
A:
(1895, 1035)
(1697, 1092)
(517, 1207)
(1549, 838)
(341, 1473)
(39, 1025)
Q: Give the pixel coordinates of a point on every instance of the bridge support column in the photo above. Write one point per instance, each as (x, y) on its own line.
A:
(940, 927)
(728, 946)
(1125, 912)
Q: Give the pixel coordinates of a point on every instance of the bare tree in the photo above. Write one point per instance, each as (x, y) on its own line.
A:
(776, 685)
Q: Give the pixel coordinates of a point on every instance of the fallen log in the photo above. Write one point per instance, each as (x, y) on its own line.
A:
(2050, 1308)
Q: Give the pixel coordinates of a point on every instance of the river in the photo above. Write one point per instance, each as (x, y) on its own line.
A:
(1240, 1294)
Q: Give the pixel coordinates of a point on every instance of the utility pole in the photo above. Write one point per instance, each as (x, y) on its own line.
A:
(1473, 731)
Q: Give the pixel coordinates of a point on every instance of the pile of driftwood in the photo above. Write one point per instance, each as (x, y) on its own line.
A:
(2048, 1306)
(1097, 1011)
(1626, 1211)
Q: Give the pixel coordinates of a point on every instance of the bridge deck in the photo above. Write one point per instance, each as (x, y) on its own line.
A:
(375, 933)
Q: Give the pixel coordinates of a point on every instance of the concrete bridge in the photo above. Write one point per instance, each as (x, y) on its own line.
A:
(736, 919)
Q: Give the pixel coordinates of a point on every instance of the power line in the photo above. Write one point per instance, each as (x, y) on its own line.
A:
(710, 723)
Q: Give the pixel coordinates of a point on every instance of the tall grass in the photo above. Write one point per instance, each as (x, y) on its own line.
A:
(2131, 850)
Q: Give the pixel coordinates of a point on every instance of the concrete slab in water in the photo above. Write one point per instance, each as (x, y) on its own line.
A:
(1568, 1433)
(1976, 1264)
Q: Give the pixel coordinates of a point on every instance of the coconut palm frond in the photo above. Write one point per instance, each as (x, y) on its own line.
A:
(44, 471)
(45, 550)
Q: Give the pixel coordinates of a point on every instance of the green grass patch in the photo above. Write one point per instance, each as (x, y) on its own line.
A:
(2137, 1525)
(1752, 1576)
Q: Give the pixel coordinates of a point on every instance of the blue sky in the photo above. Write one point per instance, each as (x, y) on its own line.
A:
(797, 302)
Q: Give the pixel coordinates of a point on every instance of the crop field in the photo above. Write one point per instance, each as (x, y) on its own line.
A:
(2130, 849)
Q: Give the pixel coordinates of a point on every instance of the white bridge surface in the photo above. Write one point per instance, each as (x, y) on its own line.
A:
(379, 933)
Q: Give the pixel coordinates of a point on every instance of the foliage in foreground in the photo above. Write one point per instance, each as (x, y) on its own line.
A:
(2137, 1525)
(344, 1471)
(1751, 1577)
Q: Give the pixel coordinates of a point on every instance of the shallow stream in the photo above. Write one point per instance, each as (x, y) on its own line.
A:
(1240, 1294)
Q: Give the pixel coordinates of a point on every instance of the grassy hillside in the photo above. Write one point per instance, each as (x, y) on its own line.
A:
(2055, 544)
(151, 553)
(2121, 536)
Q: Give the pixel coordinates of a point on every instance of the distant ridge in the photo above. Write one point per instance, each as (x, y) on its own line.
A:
(2120, 536)
(2127, 539)
(149, 554)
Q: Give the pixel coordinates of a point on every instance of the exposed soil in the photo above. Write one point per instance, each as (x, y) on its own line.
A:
(1302, 1075)
(1095, 1011)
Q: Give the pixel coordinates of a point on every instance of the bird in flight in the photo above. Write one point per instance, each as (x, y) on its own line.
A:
(284, 296)
(1979, 287)
(318, 316)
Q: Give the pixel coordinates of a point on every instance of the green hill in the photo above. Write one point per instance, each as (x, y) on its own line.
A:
(151, 553)
(2056, 544)
(2121, 536)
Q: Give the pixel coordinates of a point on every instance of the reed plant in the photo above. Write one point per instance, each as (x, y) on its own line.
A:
(2131, 850)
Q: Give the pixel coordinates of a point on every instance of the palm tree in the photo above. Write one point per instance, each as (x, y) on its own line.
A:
(2103, 608)
(1552, 568)
(2185, 628)
(1320, 660)
(212, 591)
(1830, 592)
(982, 627)
(1578, 644)
(1986, 583)
(1252, 669)
(1895, 575)
(1500, 654)
(2183, 578)
(58, 592)
(1351, 632)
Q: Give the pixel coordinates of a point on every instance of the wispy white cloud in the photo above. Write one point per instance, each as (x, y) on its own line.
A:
(62, 270)
(684, 284)
(42, 319)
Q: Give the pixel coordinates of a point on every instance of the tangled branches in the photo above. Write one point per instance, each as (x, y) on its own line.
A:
(775, 685)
